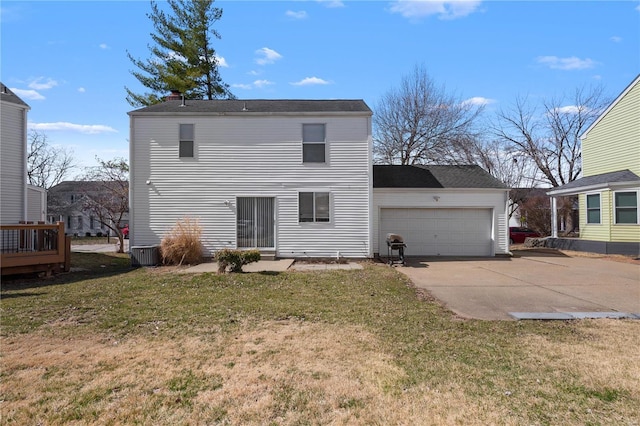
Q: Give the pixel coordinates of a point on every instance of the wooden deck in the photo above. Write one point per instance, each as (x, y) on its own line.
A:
(28, 247)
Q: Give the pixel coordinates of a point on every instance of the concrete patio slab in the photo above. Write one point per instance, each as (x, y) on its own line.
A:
(280, 265)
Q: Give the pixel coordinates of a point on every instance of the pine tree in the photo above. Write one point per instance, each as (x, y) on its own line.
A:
(182, 57)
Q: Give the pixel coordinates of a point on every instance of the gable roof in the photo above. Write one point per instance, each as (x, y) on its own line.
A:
(6, 95)
(256, 106)
(419, 176)
(602, 181)
(83, 186)
(611, 106)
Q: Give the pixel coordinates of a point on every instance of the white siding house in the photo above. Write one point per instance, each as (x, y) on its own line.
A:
(13, 157)
(290, 177)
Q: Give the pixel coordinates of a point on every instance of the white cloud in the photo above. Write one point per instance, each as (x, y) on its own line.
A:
(310, 81)
(570, 63)
(296, 15)
(267, 56)
(616, 39)
(31, 95)
(571, 109)
(241, 86)
(222, 62)
(262, 83)
(448, 9)
(331, 3)
(40, 83)
(103, 46)
(82, 89)
(90, 129)
(254, 72)
(258, 84)
(478, 100)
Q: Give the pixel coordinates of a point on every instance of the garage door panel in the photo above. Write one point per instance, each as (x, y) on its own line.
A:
(439, 232)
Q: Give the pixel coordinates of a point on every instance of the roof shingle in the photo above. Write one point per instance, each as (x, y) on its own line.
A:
(419, 176)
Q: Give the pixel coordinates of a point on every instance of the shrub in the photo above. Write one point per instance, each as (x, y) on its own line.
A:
(182, 243)
(99, 234)
(235, 259)
(87, 234)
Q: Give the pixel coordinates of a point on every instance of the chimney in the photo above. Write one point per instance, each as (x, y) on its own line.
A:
(174, 96)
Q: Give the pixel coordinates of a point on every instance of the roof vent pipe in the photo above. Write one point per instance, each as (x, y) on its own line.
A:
(182, 104)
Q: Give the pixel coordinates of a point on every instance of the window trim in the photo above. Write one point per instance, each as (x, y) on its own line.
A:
(586, 205)
(324, 143)
(314, 207)
(615, 207)
(192, 140)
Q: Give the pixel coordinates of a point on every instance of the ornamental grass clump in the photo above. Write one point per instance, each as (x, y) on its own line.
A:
(182, 245)
(234, 260)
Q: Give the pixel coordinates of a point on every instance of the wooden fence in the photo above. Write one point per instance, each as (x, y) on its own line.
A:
(29, 247)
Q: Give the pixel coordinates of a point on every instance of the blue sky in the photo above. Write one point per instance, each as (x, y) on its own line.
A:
(68, 60)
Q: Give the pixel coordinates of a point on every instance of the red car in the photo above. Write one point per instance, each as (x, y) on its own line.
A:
(518, 235)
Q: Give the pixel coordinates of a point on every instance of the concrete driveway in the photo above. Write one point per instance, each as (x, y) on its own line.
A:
(540, 285)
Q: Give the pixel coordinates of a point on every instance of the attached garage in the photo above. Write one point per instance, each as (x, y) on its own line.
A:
(440, 210)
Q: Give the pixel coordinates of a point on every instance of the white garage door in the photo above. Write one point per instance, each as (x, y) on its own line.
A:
(438, 232)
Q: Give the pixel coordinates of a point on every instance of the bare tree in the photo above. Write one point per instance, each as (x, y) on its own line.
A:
(551, 140)
(419, 123)
(47, 165)
(106, 194)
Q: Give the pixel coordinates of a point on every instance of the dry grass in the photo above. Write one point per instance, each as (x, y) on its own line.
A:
(344, 347)
(182, 244)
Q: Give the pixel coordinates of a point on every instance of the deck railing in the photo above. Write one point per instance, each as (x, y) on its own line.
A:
(29, 247)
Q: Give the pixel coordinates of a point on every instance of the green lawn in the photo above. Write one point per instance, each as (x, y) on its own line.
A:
(110, 345)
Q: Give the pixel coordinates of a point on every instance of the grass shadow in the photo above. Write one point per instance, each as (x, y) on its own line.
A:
(83, 266)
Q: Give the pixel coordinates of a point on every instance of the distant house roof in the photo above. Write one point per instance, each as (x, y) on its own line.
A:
(80, 186)
(418, 176)
(6, 95)
(605, 180)
(256, 106)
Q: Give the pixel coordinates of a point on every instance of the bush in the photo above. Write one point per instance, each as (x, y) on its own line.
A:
(182, 244)
(87, 234)
(235, 259)
(98, 234)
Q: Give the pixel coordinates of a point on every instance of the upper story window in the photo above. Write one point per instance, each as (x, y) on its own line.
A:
(593, 208)
(626, 207)
(186, 148)
(313, 207)
(313, 143)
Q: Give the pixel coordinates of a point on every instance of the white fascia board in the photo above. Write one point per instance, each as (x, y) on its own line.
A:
(600, 186)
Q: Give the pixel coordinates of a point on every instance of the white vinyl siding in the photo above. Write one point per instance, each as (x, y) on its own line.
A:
(487, 206)
(13, 179)
(252, 156)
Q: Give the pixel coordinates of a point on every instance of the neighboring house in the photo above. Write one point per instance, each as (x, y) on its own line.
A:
(294, 178)
(609, 191)
(13, 157)
(67, 203)
(440, 210)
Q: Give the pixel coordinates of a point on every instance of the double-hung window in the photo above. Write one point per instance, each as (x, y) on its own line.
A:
(593, 208)
(313, 143)
(185, 149)
(313, 207)
(626, 207)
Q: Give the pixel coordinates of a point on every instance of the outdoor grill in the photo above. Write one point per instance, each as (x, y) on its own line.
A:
(395, 243)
